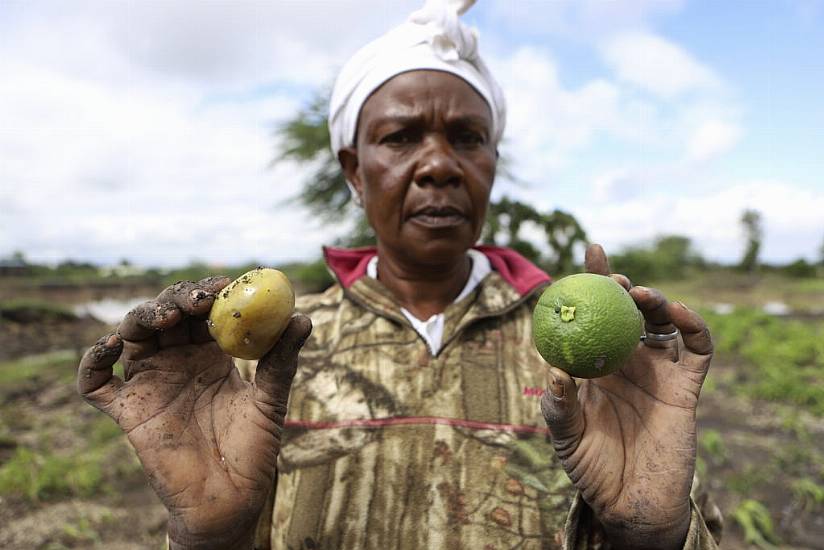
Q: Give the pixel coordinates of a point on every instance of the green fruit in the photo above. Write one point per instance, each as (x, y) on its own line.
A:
(586, 325)
(251, 313)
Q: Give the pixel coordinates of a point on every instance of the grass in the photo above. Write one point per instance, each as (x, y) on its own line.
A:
(59, 365)
(43, 474)
(703, 290)
(784, 358)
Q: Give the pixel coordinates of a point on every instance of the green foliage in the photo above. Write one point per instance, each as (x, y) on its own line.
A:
(670, 257)
(808, 494)
(80, 532)
(59, 365)
(42, 475)
(785, 357)
(305, 139)
(756, 523)
(800, 268)
(563, 233)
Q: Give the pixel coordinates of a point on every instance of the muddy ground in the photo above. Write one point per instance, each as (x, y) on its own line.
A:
(125, 514)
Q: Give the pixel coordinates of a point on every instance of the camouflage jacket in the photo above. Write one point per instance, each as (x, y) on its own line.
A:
(386, 446)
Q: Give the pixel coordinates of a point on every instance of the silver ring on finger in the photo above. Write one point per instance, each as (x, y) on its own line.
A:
(659, 337)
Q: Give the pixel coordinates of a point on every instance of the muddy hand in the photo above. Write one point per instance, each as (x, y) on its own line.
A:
(627, 440)
(208, 441)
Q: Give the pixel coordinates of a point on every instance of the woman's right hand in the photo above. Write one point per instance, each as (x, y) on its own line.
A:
(208, 440)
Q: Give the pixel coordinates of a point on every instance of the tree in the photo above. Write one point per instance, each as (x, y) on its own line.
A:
(670, 257)
(562, 231)
(751, 221)
(305, 139)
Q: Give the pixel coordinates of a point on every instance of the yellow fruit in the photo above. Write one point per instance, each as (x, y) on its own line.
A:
(251, 313)
(586, 324)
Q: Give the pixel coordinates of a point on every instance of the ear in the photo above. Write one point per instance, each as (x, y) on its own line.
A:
(348, 159)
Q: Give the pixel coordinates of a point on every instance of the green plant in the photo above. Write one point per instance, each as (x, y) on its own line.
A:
(748, 478)
(756, 523)
(807, 493)
(81, 531)
(39, 476)
(57, 363)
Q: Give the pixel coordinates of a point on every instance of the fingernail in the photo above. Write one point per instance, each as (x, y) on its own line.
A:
(556, 387)
(113, 341)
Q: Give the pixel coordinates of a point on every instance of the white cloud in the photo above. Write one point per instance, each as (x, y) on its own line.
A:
(578, 20)
(791, 216)
(142, 130)
(657, 65)
(712, 138)
(545, 121)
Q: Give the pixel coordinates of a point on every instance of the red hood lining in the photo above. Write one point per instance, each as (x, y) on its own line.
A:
(349, 265)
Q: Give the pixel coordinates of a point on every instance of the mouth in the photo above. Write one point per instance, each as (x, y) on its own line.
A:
(438, 216)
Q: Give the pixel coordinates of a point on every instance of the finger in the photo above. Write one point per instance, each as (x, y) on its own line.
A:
(562, 412)
(595, 260)
(214, 284)
(276, 369)
(653, 305)
(132, 351)
(622, 280)
(693, 329)
(144, 320)
(95, 381)
(189, 297)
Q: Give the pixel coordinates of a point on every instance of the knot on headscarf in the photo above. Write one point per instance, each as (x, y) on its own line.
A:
(448, 38)
(434, 38)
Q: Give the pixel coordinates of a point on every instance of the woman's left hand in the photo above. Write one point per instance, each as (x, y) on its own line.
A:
(628, 440)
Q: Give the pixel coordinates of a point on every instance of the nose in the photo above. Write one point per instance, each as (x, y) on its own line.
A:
(437, 164)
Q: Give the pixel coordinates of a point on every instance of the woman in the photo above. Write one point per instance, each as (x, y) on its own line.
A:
(415, 417)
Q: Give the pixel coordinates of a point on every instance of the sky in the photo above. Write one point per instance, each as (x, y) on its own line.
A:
(145, 130)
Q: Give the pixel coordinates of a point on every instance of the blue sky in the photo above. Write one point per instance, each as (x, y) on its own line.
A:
(143, 130)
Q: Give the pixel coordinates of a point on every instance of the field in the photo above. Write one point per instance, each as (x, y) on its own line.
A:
(68, 479)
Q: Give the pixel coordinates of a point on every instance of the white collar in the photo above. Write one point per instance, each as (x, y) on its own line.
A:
(431, 330)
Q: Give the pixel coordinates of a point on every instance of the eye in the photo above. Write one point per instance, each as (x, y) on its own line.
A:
(403, 136)
(468, 138)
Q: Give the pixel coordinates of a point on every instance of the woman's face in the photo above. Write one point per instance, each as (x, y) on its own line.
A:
(424, 165)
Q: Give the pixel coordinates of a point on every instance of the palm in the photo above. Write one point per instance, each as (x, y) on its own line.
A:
(207, 439)
(639, 428)
(198, 430)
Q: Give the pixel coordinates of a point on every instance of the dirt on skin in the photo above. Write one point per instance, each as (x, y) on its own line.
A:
(127, 515)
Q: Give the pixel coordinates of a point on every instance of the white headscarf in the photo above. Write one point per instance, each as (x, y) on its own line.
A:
(432, 38)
